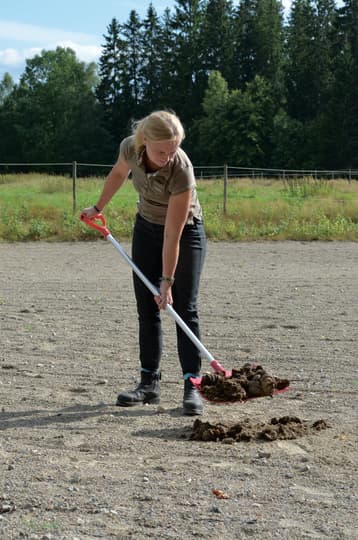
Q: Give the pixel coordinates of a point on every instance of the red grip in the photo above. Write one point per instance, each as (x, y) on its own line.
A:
(92, 222)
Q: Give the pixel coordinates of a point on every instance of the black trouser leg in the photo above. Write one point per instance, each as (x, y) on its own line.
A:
(147, 255)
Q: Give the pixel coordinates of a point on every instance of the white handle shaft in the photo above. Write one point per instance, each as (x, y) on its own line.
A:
(168, 308)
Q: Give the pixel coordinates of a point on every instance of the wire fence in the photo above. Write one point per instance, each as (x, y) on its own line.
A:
(204, 172)
(224, 172)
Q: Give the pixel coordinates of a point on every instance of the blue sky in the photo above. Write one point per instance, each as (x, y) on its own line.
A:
(29, 26)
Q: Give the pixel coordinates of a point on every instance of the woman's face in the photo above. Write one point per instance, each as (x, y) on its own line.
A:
(159, 153)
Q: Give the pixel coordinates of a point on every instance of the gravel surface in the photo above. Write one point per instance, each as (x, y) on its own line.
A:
(74, 466)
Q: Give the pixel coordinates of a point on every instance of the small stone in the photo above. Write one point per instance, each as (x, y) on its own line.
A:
(216, 510)
(7, 507)
(228, 440)
(262, 454)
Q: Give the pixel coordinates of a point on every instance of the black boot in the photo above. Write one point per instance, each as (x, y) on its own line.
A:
(147, 391)
(192, 404)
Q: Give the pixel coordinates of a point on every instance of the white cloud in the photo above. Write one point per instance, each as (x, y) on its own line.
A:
(16, 57)
(10, 57)
(14, 31)
(86, 53)
(86, 46)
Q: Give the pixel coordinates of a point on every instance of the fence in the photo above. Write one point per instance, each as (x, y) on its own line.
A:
(205, 172)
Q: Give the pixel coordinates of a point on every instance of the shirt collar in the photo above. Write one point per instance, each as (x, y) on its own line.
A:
(141, 164)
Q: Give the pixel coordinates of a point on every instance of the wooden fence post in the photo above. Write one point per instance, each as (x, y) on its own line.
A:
(74, 191)
(225, 187)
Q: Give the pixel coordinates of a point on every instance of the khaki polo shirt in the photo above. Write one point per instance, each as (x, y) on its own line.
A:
(155, 188)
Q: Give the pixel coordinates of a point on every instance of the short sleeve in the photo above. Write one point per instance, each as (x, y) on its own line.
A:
(126, 149)
(183, 180)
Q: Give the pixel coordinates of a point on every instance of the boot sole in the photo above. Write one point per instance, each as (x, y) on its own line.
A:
(192, 412)
(150, 401)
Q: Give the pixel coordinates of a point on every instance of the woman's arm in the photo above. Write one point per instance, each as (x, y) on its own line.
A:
(114, 181)
(177, 216)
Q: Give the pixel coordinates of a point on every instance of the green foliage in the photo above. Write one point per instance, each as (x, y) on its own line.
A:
(38, 229)
(217, 36)
(308, 187)
(237, 124)
(53, 112)
(7, 86)
(251, 87)
(255, 209)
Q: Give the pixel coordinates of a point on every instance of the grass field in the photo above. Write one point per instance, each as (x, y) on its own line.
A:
(40, 207)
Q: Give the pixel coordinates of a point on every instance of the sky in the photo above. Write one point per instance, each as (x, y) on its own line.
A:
(29, 26)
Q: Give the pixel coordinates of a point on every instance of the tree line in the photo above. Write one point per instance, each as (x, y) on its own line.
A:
(253, 88)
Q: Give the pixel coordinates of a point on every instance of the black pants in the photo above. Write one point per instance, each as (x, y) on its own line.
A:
(147, 248)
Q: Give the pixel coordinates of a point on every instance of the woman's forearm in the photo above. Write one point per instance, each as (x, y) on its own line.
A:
(114, 181)
(170, 255)
(177, 214)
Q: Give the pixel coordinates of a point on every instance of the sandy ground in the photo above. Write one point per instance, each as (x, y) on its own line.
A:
(75, 466)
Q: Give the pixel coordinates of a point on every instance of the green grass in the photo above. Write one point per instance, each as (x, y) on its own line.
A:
(40, 207)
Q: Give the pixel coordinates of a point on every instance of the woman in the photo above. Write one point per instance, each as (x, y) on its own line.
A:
(168, 247)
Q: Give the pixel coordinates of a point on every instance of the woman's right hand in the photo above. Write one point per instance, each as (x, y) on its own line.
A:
(89, 212)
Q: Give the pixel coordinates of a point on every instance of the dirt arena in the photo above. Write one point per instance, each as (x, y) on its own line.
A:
(73, 466)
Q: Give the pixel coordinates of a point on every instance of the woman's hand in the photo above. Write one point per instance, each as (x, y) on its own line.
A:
(165, 296)
(89, 212)
(114, 180)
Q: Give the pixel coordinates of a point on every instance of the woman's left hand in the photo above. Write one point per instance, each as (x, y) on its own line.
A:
(165, 296)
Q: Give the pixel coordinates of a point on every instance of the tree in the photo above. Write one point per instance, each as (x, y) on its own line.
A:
(216, 38)
(258, 47)
(211, 126)
(249, 124)
(238, 124)
(338, 128)
(301, 62)
(8, 135)
(152, 55)
(309, 65)
(326, 15)
(288, 142)
(54, 110)
(7, 86)
(189, 78)
(109, 65)
(244, 44)
(8, 138)
(270, 43)
(133, 61)
(109, 89)
(167, 97)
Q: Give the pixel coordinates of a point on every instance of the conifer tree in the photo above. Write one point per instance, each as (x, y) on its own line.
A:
(111, 73)
(302, 63)
(259, 43)
(217, 37)
(339, 129)
(189, 79)
(151, 69)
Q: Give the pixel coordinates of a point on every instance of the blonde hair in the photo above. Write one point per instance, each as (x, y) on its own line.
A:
(157, 126)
